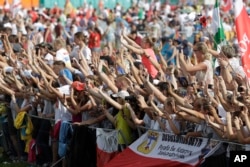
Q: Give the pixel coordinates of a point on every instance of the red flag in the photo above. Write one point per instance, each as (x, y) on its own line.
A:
(158, 149)
(107, 146)
(226, 5)
(242, 23)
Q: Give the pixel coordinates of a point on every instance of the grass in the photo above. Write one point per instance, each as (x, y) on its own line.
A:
(6, 162)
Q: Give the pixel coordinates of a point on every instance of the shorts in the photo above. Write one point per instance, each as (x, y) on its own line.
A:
(96, 49)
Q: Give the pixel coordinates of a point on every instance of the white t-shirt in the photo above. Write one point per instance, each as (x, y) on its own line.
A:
(237, 68)
(167, 125)
(61, 112)
(63, 55)
(206, 76)
(222, 111)
(155, 125)
(86, 52)
(147, 121)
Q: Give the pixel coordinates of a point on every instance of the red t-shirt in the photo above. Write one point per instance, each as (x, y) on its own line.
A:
(138, 40)
(94, 40)
(147, 63)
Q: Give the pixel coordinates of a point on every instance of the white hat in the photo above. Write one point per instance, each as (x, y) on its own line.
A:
(20, 13)
(86, 33)
(7, 25)
(122, 94)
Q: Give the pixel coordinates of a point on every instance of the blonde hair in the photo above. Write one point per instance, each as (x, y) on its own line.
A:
(60, 43)
(228, 51)
(203, 48)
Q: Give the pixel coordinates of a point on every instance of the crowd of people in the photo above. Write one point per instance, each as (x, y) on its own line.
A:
(151, 66)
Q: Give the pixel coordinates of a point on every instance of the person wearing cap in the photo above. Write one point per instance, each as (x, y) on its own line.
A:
(7, 28)
(64, 74)
(85, 111)
(60, 94)
(122, 120)
(44, 53)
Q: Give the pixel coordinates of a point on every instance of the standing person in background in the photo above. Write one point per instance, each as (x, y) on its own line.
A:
(81, 45)
(95, 43)
(109, 35)
(48, 33)
(169, 51)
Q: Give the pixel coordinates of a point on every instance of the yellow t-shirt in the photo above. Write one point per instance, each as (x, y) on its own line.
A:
(122, 126)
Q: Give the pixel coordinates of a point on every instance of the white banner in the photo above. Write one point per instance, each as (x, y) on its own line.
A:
(170, 147)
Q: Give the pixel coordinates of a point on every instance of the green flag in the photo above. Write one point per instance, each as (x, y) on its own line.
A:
(216, 26)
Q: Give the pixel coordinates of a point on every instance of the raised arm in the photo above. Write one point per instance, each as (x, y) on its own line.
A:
(240, 137)
(110, 100)
(105, 78)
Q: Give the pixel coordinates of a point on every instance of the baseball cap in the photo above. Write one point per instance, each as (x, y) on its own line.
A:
(7, 25)
(122, 94)
(78, 85)
(17, 48)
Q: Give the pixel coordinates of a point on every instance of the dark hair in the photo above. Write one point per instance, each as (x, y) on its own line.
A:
(13, 39)
(59, 63)
(79, 35)
(163, 86)
(149, 40)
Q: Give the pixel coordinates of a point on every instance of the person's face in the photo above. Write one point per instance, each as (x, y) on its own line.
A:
(190, 89)
(43, 51)
(23, 39)
(198, 54)
(120, 101)
(61, 80)
(105, 51)
(144, 43)
(167, 107)
(77, 41)
(133, 35)
(57, 46)
(57, 69)
(118, 84)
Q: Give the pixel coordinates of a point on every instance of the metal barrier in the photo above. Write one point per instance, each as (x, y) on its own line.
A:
(52, 121)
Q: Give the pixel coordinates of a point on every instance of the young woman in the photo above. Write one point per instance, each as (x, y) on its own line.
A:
(203, 69)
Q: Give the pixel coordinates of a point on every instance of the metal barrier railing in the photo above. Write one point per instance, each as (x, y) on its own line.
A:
(52, 121)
